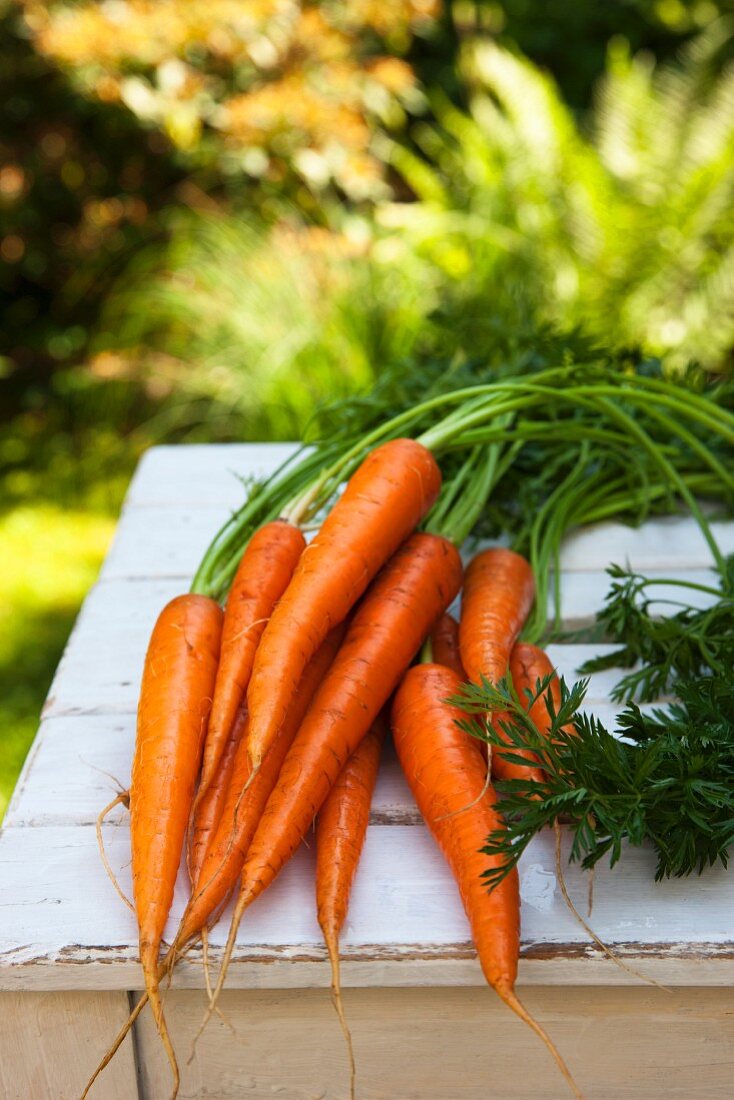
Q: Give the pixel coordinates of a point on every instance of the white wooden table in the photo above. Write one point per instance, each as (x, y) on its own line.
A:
(425, 1026)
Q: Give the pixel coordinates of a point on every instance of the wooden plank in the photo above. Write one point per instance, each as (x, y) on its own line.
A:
(169, 541)
(659, 545)
(203, 474)
(406, 924)
(79, 762)
(102, 664)
(51, 1043)
(174, 548)
(211, 476)
(449, 1044)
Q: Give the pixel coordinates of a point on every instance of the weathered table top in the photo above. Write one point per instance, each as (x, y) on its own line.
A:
(63, 927)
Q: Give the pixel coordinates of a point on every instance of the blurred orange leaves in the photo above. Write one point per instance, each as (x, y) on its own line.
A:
(286, 85)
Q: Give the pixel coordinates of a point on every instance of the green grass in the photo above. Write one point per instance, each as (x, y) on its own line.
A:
(48, 559)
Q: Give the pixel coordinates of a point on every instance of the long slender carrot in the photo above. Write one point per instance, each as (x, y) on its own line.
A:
(383, 502)
(175, 697)
(387, 630)
(445, 644)
(220, 870)
(498, 593)
(448, 782)
(208, 808)
(262, 577)
(245, 802)
(341, 829)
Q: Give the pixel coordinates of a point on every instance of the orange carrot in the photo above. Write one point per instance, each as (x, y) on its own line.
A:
(263, 575)
(175, 697)
(528, 664)
(244, 803)
(221, 868)
(415, 587)
(384, 501)
(498, 593)
(445, 644)
(341, 829)
(448, 782)
(208, 808)
(523, 662)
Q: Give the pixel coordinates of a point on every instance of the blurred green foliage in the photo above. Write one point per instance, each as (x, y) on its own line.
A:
(570, 39)
(55, 554)
(210, 224)
(622, 227)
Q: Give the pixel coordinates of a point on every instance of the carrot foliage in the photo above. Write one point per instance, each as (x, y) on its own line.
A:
(663, 777)
(528, 450)
(685, 644)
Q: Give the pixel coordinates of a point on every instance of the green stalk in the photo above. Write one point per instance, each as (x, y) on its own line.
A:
(480, 415)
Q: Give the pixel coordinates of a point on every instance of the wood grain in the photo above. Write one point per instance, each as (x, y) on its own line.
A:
(51, 1042)
(450, 1044)
(406, 924)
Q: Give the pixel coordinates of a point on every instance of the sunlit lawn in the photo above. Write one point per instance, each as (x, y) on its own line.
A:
(48, 560)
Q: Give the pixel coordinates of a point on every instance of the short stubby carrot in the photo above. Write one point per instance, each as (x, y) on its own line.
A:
(244, 803)
(528, 663)
(175, 697)
(445, 644)
(382, 504)
(448, 781)
(208, 809)
(387, 630)
(341, 828)
(262, 577)
(498, 593)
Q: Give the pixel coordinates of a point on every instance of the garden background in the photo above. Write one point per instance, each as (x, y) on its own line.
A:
(215, 217)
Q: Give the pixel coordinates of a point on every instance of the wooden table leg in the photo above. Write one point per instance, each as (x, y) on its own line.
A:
(51, 1043)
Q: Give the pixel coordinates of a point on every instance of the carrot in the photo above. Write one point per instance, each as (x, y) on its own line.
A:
(498, 593)
(208, 807)
(445, 644)
(175, 697)
(386, 632)
(244, 803)
(224, 857)
(340, 833)
(447, 778)
(262, 577)
(528, 663)
(383, 502)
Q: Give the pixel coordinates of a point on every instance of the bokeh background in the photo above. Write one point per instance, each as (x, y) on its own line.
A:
(216, 215)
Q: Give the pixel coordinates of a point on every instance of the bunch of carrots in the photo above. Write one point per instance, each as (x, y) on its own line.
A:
(256, 719)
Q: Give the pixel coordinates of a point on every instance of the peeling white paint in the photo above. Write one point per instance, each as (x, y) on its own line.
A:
(538, 887)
